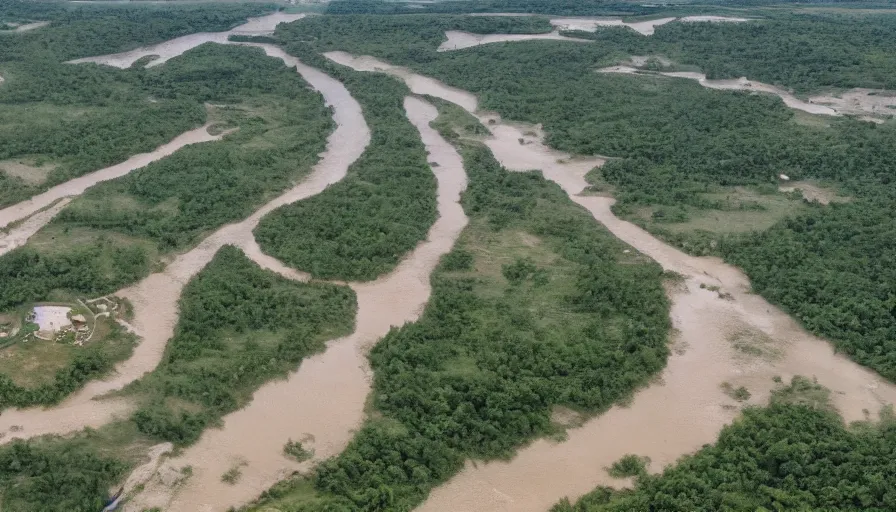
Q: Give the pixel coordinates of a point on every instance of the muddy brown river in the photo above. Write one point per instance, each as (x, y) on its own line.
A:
(686, 406)
(323, 401)
(155, 298)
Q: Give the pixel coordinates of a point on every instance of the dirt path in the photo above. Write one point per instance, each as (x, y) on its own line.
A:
(155, 298)
(167, 50)
(686, 407)
(324, 399)
(28, 209)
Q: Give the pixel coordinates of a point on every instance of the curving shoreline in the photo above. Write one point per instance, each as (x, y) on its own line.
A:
(155, 298)
(686, 407)
(303, 404)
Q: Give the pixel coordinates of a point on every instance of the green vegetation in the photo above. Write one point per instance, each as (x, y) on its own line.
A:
(362, 226)
(55, 475)
(295, 450)
(117, 230)
(39, 372)
(795, 454)
(83, 118)
(578, 323)
(688, 155)
(240, 326)
(629, 465)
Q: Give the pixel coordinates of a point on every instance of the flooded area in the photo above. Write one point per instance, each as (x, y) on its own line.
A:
(303, 405)
(458, 40)
(40, 209)
(686, 406)
(167, 50)
(155, 298)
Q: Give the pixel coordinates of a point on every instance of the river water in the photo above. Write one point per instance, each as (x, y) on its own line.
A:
(686, 406)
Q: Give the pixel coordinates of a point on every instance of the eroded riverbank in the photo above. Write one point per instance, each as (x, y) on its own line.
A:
(712, 310)
(304, 406)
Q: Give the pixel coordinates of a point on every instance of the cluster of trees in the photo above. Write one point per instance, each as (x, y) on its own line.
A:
(478, 374)
(239, 327)
(172, 202)
(794, 454)
(802, 51)
(282, 127)
(95, 268)
(56, 475)
(83, 118)
(362, 226)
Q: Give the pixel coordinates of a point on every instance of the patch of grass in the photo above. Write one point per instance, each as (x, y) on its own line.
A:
(754, 343)
(233, 475)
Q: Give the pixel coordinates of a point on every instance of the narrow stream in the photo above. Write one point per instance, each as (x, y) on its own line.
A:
(686, 407)
(38, 209)
(322, 402)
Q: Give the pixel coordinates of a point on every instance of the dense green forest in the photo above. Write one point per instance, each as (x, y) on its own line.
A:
(239, 327)
(361, 227)
(112, 235)
(56, 475)
(83, 118)
(686, 152)
(536, 306)
(795, 454)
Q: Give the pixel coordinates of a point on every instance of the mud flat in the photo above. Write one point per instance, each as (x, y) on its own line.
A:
(304, 405)
(167, 50)
(458, 40)
(712, 311)
(155, 298)
(40, 209)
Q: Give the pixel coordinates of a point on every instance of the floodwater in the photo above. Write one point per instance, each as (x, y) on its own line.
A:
(167, 50)
(458, 40)
(40, 209)
(304, 405)
(685, 407)
(155, 298)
